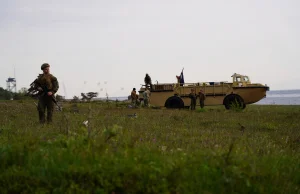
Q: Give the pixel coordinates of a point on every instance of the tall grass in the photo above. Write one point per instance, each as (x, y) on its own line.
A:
(160, 151)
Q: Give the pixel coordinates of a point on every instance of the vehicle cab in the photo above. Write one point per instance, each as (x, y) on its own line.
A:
(240, 80)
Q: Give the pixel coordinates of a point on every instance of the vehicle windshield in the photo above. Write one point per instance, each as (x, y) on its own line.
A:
(246, 79)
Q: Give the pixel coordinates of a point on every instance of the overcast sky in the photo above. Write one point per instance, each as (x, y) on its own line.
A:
(112, 44)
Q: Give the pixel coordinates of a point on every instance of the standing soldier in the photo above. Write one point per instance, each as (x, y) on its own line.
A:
(193, 97)
(48, 85)
(133, 97)
(202, 98)
(146, 96)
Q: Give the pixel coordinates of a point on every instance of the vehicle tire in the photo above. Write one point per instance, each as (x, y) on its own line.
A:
(234, 100)
(174, 102)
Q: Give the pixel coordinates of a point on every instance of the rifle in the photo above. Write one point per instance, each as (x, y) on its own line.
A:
(38, 91)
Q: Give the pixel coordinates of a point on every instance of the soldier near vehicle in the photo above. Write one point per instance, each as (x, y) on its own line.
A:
(193, 98)
(48, 85)
(148, 81)
(134, 97)
(240, 92)
(201, 98)
(146, 96)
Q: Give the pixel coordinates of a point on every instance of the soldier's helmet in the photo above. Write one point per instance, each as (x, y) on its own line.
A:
(44, 66)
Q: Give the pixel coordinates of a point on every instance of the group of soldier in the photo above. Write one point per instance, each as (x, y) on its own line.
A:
(47, 84)
(193, 96)
(146, 97)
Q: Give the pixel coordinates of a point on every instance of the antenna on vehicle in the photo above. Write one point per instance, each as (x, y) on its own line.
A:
(15, 79)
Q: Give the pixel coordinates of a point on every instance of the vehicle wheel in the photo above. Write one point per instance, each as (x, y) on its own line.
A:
(174, 102)
(234, 100)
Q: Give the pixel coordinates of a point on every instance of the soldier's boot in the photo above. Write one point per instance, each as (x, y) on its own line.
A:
(49, 117)
(193, 105)
(41, 117)
(41, 111)
(201, 104)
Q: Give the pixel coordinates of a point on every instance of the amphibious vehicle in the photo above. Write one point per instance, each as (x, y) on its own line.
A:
(239, 92)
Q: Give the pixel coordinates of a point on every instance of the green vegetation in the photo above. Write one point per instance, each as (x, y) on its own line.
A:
(7, 95)
(256, 150)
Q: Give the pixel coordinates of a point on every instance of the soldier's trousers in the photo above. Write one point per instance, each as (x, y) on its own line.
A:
(146, 102)
(134, 102)
(193, 104)
(201, 104)
(45, 102)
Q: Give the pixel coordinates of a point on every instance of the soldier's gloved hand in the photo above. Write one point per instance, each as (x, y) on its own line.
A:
(39, 89)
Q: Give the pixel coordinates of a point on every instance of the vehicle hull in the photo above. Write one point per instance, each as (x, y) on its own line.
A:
(250, 94)
(215, 95)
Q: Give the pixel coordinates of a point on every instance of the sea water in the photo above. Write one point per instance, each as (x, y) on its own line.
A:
(276, 97)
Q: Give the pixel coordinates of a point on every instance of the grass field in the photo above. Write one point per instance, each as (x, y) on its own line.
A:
(160, 151)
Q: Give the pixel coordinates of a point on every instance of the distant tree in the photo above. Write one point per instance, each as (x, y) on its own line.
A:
(5, 95)
(88, 96)
(91, 95)
(23, 90)
(84, 97)
(75, 99)
(59, 97)
(18, 96)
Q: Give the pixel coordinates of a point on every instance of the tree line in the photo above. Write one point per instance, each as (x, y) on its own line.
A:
(7, 95)
(20, 95)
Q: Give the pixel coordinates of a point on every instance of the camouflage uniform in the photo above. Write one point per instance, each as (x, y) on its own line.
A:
(202, 98)
(193, 97)
(48, 83)
(134, 97)
(146, 96)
